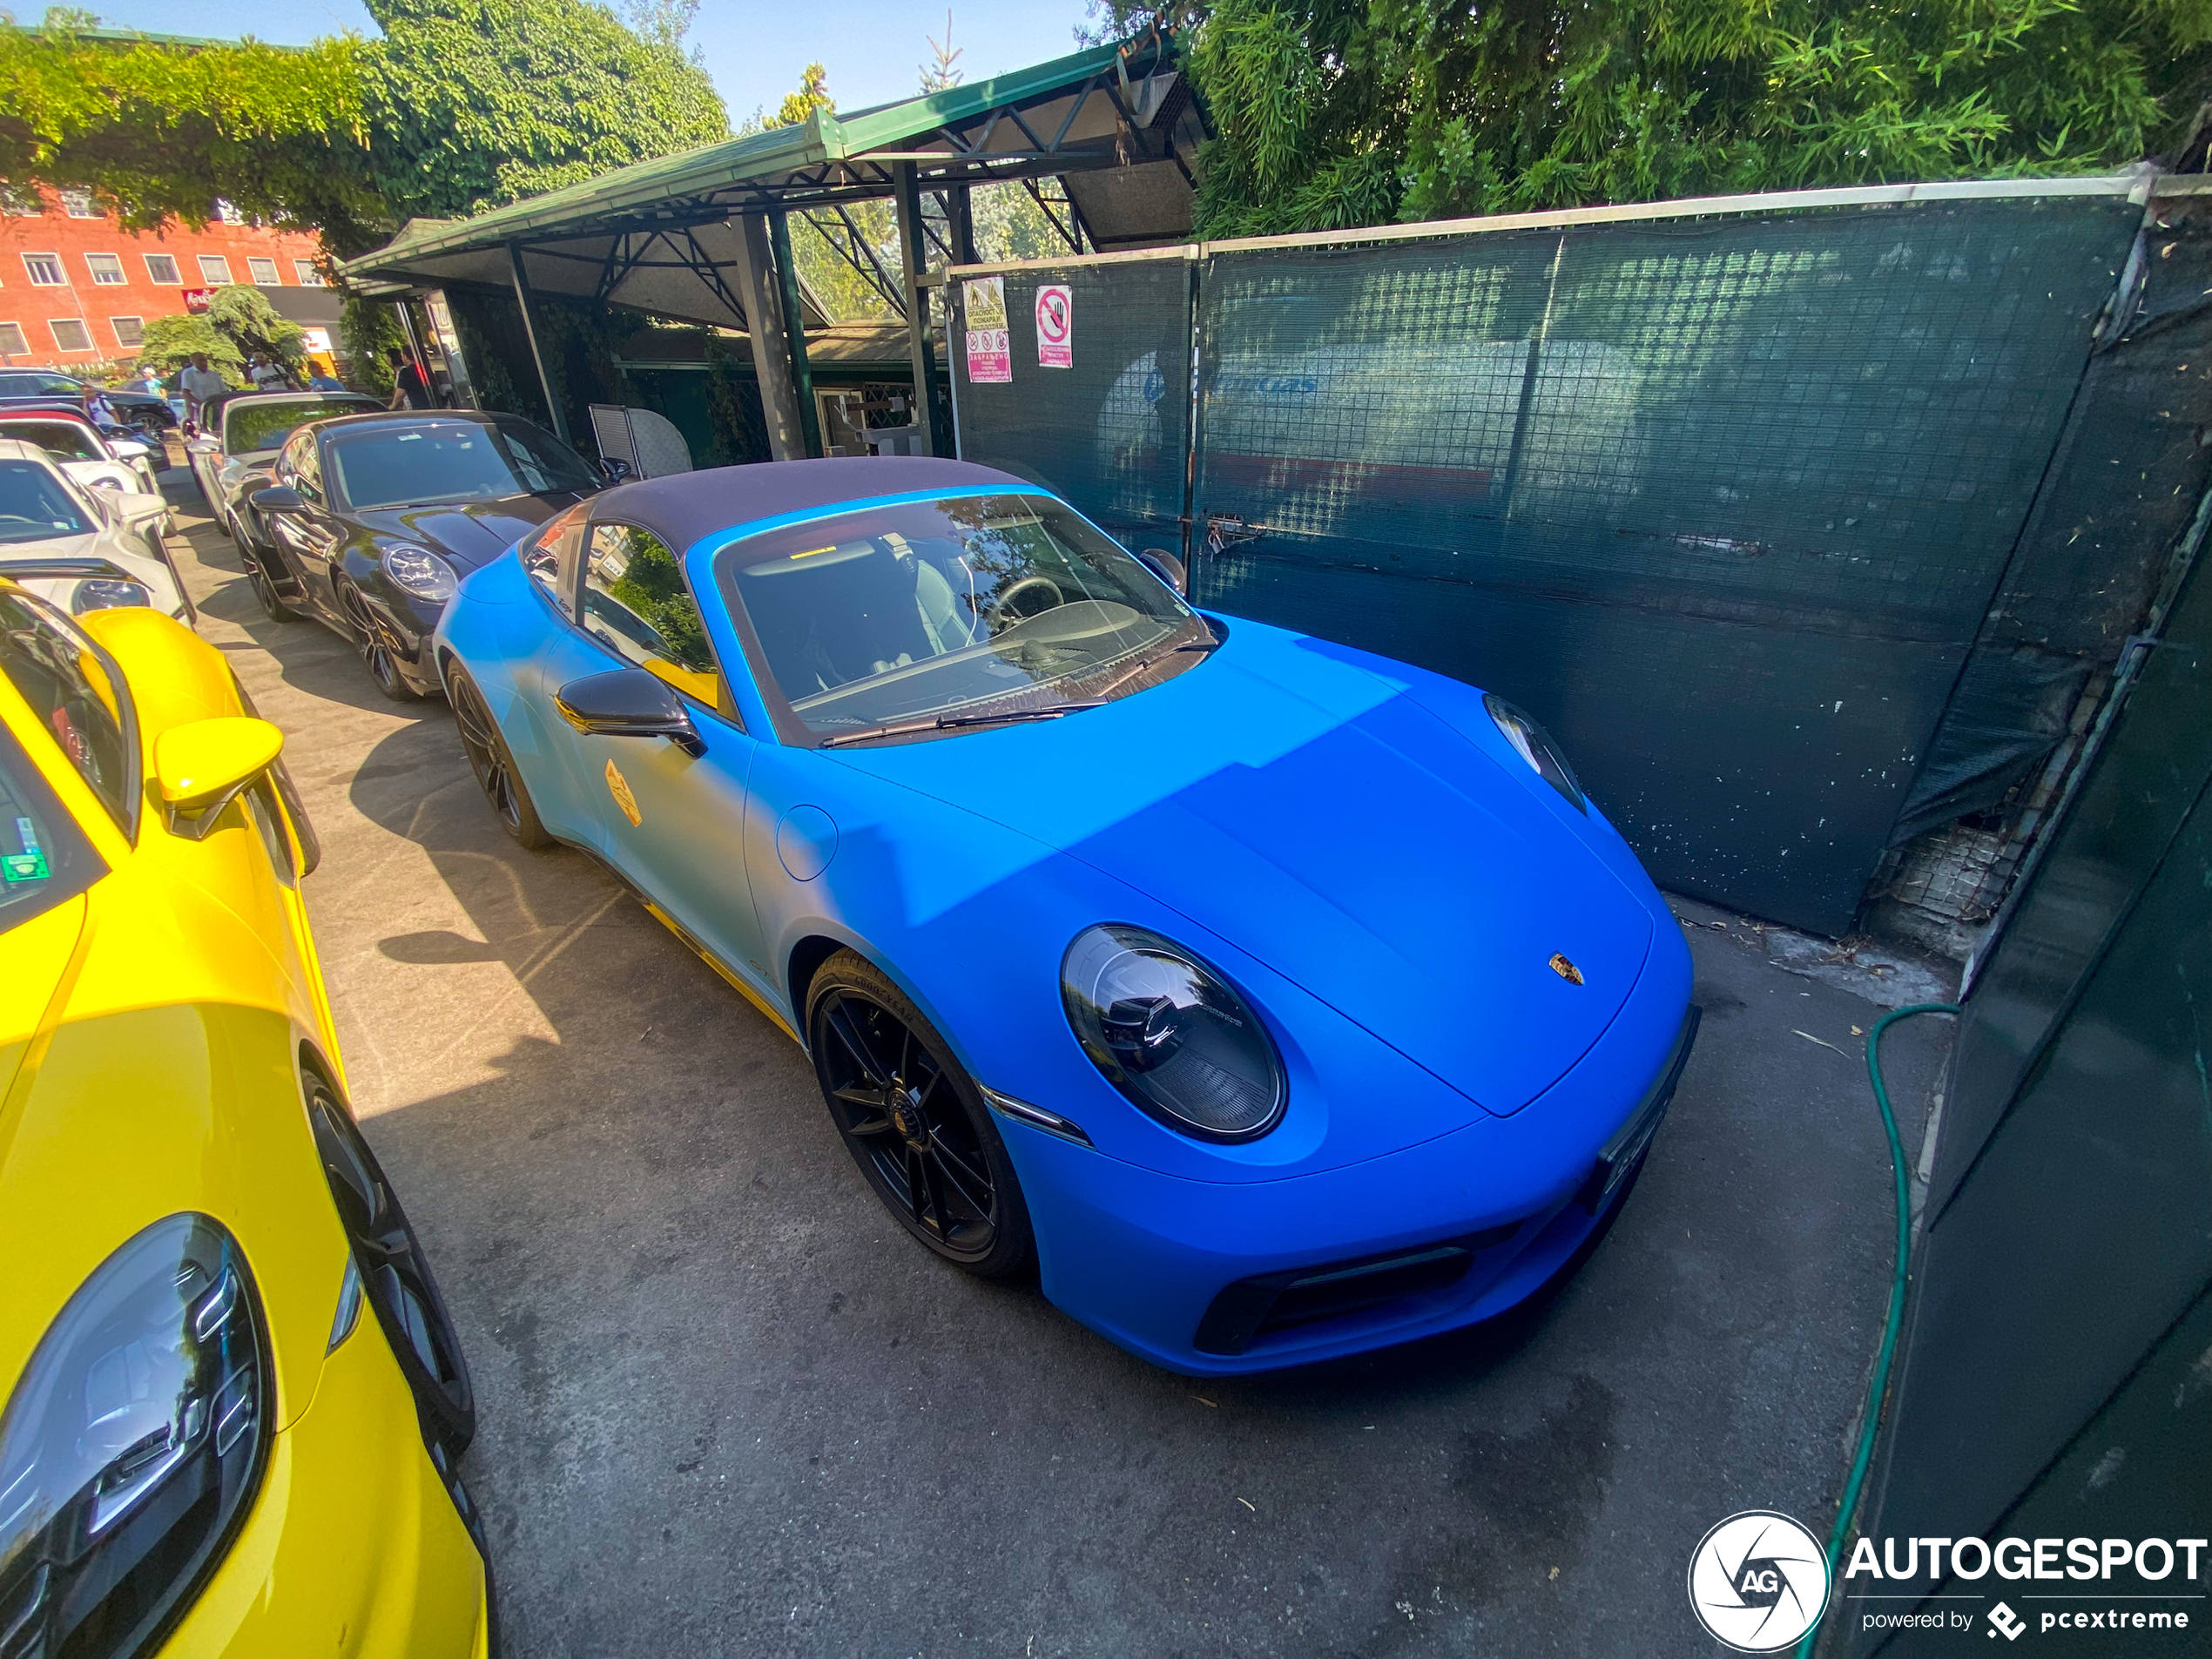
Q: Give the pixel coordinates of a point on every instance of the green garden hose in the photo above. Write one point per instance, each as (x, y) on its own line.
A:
(1880, 1380)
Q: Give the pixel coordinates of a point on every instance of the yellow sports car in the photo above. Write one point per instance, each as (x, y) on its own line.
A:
(206, 1449)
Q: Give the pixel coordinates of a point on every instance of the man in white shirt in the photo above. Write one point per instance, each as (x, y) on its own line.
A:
(199, 383)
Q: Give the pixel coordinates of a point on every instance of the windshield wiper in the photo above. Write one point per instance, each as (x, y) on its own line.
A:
(1208, 644)
(952, 722)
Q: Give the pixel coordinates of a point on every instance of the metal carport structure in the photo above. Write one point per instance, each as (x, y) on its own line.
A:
(703, 237)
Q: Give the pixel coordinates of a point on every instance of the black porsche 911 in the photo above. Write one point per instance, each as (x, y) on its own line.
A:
(376, 518)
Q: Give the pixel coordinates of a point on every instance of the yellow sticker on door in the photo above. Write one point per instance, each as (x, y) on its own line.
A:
(618, 786)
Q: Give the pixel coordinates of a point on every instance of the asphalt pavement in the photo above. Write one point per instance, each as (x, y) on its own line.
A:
(727, 1407)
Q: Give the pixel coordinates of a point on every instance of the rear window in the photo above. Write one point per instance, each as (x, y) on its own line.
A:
(66, 440)
(76, 693)
(45, 858)
(248, 427)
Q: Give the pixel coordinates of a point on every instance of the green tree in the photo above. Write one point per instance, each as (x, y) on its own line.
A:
(1344, 112)
(241, 315)
(171, 342)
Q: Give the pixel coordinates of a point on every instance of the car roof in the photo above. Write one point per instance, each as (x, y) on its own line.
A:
(236, 400)
(686, 506)
(403, 417)
(78, 416)
(22, 449)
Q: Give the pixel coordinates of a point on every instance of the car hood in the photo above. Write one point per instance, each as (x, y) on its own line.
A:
(1315, 814)
(470, 533)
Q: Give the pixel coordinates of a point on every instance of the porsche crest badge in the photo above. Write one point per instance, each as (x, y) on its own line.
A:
(1560, 966)
(618, 786)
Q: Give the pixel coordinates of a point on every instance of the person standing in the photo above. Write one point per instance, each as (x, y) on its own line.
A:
(199, 382)
(268, 375)
(410, 390)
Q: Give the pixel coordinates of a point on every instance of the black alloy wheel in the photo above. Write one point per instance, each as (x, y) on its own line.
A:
(375, 648)
(395, 1279)
(489, 759)
(274, 604)
(913, 1120)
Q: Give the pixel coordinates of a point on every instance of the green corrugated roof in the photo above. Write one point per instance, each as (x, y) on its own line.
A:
(763, 155)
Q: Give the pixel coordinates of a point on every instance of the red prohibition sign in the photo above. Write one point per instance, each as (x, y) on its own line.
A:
(1052, 316)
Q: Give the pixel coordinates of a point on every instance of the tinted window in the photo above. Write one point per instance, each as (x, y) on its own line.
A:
(36, 506)
(302, 467)
(65, 440)
(247, 427)
(43, 856)
(963, 608)
(40, 386)
(637, 606)
(423, 462)
(66, 679)
(550, 553)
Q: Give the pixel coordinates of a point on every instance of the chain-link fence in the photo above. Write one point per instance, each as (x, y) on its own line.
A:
(1723, 497)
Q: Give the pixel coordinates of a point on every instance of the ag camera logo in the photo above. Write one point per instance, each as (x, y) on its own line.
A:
(1759, 1582)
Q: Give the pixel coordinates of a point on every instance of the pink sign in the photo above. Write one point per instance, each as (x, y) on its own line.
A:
(990, 349)
(1056, 327)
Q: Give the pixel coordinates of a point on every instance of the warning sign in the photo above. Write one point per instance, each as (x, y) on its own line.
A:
(990, 349)
(1056, 327)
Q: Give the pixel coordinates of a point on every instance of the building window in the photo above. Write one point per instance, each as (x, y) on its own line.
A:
(106, 269)
(78, 204)
(215, 270)
(71, 335)
(21, 204)
(45, 270)
(161, 271)
(309, 273)
(12, 344)
(264, 272)
(130, 331)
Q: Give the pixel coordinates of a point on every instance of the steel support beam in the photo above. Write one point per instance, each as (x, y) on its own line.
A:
(771, 358)
(802, 377)
(913, 263)
(534, 331)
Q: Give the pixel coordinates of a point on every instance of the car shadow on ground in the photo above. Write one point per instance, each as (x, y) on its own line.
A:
(695, 1331)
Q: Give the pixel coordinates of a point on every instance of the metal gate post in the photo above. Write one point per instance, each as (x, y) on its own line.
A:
(772, 364)
(913, 263)
(534, 333)
(802, 375)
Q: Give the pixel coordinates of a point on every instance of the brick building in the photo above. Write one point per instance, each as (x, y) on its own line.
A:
(76, 289)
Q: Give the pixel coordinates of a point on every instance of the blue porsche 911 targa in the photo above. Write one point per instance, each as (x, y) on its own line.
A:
(1276, 999)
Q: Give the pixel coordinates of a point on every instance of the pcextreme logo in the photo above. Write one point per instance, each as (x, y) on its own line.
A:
(1759, 1582)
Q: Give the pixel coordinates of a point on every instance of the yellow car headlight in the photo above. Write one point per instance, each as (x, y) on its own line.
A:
(133, 1446)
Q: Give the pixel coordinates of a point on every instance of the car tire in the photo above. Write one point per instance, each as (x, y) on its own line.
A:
(394, 1277)
(274, 604)
(493, 762)
(914, 1121)
(371, 646)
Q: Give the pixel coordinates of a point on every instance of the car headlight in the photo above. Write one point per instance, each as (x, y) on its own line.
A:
(132, 1446)
(1171, 1035)
(107, 593)
(1532, 744)
(419, 572)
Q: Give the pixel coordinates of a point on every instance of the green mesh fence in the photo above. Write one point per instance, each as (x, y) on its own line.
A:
(1722, 501)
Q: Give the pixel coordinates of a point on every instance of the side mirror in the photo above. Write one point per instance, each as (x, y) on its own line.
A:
(278, 498)
(616, 470)
(628, 703)
(129, 448)
(202, 766)
(203, 446)
(1164, 565)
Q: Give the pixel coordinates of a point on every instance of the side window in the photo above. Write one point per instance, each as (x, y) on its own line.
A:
(66, 681)
(303, 467)
(637, 606)
(45, 857)
(552, 555)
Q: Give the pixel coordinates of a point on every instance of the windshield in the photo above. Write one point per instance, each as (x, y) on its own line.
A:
(64, 439)
(423, 462)
(21, 385)
(961, 610)
(248, 427)
(35, 507)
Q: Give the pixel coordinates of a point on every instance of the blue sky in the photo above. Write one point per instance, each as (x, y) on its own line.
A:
(873, 50)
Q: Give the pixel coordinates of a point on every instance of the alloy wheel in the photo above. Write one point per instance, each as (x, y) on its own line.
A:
(486, 758)
(899, 1113)
(368, 640)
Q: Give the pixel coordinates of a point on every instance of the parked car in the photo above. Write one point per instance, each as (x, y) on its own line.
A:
(33, 387)
(375, 517)
(235, 1400)
(1277, 1000)
(80, 546)
(88, 454)
(241, 435)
